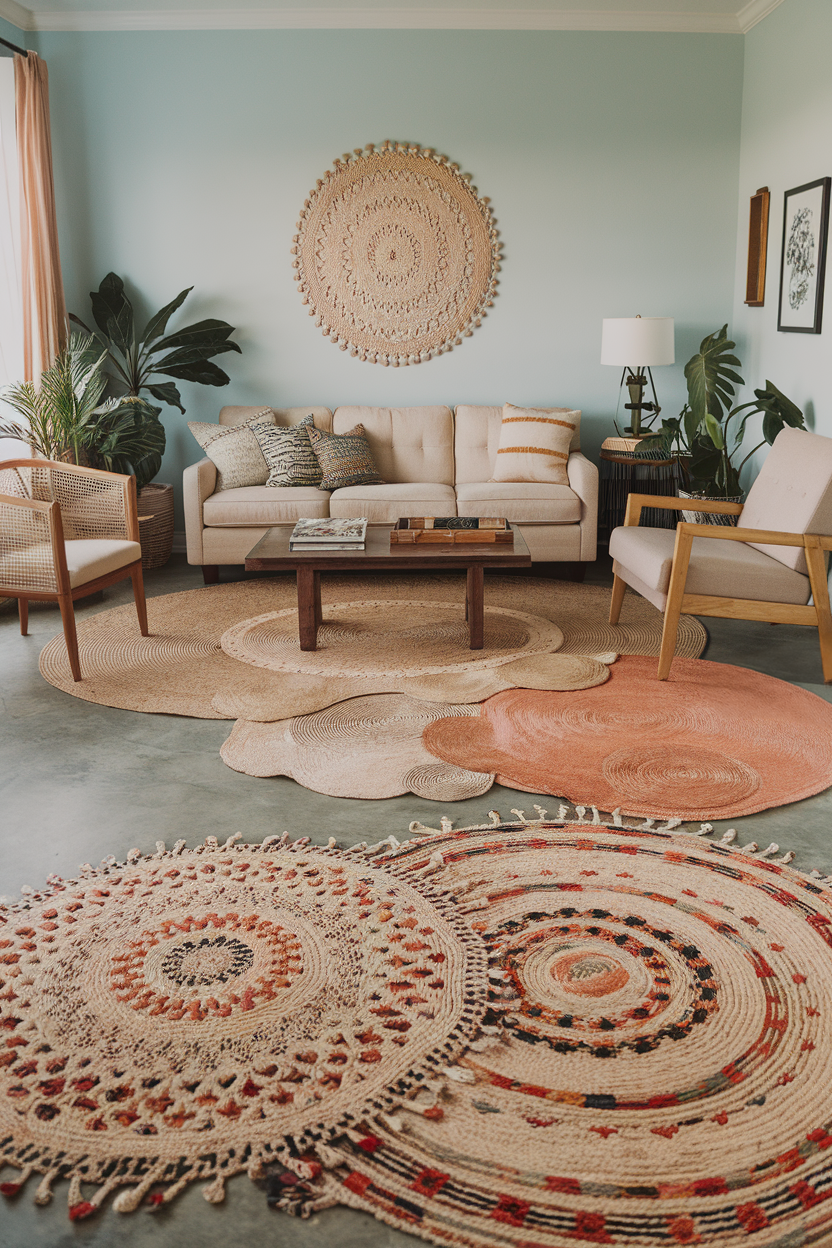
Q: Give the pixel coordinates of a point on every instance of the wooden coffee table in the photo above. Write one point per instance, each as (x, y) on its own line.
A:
(272, 554)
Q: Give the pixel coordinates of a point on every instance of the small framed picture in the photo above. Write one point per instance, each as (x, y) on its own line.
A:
(803, 261)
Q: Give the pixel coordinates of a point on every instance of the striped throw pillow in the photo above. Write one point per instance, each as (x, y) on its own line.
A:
(345, 459)
(288, 452)
(534, 444)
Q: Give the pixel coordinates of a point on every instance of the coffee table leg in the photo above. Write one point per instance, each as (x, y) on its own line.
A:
(307, 610)
(319, 615)
(474, 604)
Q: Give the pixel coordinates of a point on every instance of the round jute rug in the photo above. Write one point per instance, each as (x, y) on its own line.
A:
(367, 747)
(654, 1065)
(712, 742)
(181, 669)
(184, 1016)
(384, 638)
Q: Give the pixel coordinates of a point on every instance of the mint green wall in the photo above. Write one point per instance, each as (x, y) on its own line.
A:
(7, 31)
(610, 160)
(786, 142)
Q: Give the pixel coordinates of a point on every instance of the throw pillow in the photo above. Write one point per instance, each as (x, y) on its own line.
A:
(534, 444)
(288, 452)
(345, 458)
(235, 450)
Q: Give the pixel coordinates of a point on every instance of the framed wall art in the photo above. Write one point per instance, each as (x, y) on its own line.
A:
(755, 284)
(803, 259)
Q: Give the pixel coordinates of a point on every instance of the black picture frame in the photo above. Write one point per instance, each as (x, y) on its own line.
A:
(803, 258)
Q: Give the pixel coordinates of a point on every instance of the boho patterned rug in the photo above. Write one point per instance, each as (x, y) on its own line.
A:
(532, 1034)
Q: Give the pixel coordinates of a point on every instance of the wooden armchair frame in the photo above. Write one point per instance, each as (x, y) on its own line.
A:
(65, 594)
(679, 603)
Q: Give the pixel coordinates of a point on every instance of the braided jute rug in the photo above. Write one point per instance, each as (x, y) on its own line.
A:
(181, 668)
(532, 1034)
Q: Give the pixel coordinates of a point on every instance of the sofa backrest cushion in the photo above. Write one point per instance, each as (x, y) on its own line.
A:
(477, 439)
(407, 443)
(234, 415)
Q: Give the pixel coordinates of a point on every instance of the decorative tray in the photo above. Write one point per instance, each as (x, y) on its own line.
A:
(451, 529)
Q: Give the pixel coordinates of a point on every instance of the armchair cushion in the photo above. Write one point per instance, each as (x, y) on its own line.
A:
(723, 569)
(793, 493)
(88, 559)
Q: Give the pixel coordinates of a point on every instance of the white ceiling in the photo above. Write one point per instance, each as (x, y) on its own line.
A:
(703, 16)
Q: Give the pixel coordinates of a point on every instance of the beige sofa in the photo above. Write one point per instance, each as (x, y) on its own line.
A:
(436, 462)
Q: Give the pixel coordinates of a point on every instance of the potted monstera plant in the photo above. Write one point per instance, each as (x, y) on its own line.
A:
(707, 436)
(137, 364)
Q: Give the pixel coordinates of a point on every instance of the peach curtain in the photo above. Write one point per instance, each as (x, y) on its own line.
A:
(44, 310)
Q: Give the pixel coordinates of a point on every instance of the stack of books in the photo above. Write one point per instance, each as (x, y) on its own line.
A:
(312, 536)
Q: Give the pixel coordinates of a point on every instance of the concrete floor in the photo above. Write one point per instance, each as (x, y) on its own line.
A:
(79, 781)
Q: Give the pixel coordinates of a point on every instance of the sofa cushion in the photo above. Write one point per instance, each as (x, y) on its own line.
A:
(720, 568)
(534, 444)
(408, 443)
(345, 458)
(288, 452)
(264, 504)
(477, 437)
(235, 450)
(385, 503)
(533, 502)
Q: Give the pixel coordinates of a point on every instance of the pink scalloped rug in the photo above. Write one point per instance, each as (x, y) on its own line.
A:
(712, 742)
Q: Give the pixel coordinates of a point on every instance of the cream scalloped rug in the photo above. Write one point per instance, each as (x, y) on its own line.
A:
(181, 669)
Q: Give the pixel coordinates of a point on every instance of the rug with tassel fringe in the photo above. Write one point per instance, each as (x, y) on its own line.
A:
(534, 1034)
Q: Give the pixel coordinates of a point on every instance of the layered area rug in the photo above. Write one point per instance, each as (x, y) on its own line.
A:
(181, 669)
(533, 1034)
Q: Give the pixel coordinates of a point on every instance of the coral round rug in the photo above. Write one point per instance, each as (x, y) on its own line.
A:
(181, 669)
(390, 638)
(653, 1068)
(713, 741)
(185, 1016)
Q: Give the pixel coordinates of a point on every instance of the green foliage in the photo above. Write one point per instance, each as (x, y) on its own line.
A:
(702, 438)
(66, 420)
(137, 358)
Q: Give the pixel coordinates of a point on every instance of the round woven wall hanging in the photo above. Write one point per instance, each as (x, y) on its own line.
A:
(396, 254)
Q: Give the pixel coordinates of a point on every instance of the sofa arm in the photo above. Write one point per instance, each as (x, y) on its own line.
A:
(583, 479)
(198, 482)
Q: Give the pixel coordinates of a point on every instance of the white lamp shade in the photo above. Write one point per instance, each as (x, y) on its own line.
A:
(635, 341)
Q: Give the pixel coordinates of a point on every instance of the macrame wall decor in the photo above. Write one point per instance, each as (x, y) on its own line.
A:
(396, 254)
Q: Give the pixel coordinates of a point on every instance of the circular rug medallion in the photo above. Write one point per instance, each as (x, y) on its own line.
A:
(653, 1067)
(181, 669)
(389, 639)
(180, 1016)
(712, 742)
(396, 255)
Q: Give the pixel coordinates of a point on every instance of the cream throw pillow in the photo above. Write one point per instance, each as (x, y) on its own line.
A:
(235, 450)
(534, 444)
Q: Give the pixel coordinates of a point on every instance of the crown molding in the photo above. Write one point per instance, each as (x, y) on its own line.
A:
(16, 14)
(386, 19)
(755, 11)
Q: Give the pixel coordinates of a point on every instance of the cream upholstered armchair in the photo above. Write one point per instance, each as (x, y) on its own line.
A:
(66, 532)
(768, 568)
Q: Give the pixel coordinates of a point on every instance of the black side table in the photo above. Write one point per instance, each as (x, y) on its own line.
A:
(623, 472)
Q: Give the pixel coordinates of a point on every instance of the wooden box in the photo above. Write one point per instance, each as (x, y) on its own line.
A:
(451, 530)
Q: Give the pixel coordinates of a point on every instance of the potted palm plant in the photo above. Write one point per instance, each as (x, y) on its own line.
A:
(705, 439)
(136, 364)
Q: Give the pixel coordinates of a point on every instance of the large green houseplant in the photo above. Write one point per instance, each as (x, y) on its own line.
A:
(136, 362)
(705, 439)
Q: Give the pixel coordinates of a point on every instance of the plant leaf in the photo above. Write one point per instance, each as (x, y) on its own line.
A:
(710, 377)
(110, 301)
(158, 323)
(203, 372)
(202, 334)
(166, 392)
(714, 429)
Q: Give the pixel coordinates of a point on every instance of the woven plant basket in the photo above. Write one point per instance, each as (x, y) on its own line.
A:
(710, 517)
(156, 531)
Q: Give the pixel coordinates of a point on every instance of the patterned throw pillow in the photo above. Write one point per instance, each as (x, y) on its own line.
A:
(235, 450)
(345, 458)
(534, 444)
(288, 452)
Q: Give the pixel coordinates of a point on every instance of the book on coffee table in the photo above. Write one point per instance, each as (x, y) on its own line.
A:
(413, 530)
(329, 534)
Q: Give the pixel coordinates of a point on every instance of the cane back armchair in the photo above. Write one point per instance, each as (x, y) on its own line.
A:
(66, 532)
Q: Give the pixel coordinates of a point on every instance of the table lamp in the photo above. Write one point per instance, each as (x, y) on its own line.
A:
(648, 339)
